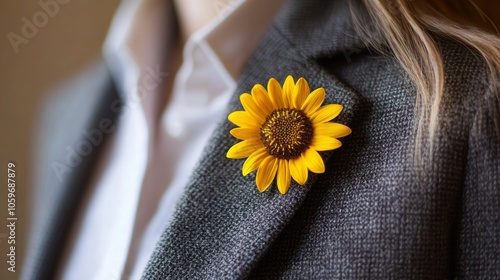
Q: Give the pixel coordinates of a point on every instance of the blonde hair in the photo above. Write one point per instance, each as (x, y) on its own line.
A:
(408, 28)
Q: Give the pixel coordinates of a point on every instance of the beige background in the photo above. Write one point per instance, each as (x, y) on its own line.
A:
(68, 41)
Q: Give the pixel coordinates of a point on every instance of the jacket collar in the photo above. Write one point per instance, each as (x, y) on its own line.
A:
(321, 28)
(223, 225)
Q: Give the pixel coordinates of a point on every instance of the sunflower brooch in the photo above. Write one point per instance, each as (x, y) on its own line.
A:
(282, 129)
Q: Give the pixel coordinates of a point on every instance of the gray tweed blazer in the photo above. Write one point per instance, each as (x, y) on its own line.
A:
(373, 214)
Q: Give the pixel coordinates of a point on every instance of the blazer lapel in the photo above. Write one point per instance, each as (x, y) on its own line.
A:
(92, 101)
(223, 225)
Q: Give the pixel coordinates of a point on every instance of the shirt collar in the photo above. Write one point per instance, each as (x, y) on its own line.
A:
(141, 30)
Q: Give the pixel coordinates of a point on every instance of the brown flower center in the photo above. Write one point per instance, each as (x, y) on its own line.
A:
(286, 133)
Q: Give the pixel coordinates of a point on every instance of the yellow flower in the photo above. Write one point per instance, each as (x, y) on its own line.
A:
(282, 131)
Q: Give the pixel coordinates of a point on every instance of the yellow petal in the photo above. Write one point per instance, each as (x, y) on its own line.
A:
(251, 107)
(313, 161)
(325, 143)
(288, 86)
(331, 129)
(300, 93)
(253, 161)
(313, 101)
(298, 170)
(274, 90)
(243, 119)
(283, 179)
(326, 113)
(261, 97)
(266, 173)
(245, 133)
(243, 149)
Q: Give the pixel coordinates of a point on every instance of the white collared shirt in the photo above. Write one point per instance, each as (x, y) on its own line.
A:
(117, 203)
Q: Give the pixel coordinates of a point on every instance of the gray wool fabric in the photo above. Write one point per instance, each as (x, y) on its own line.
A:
(374, 214)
